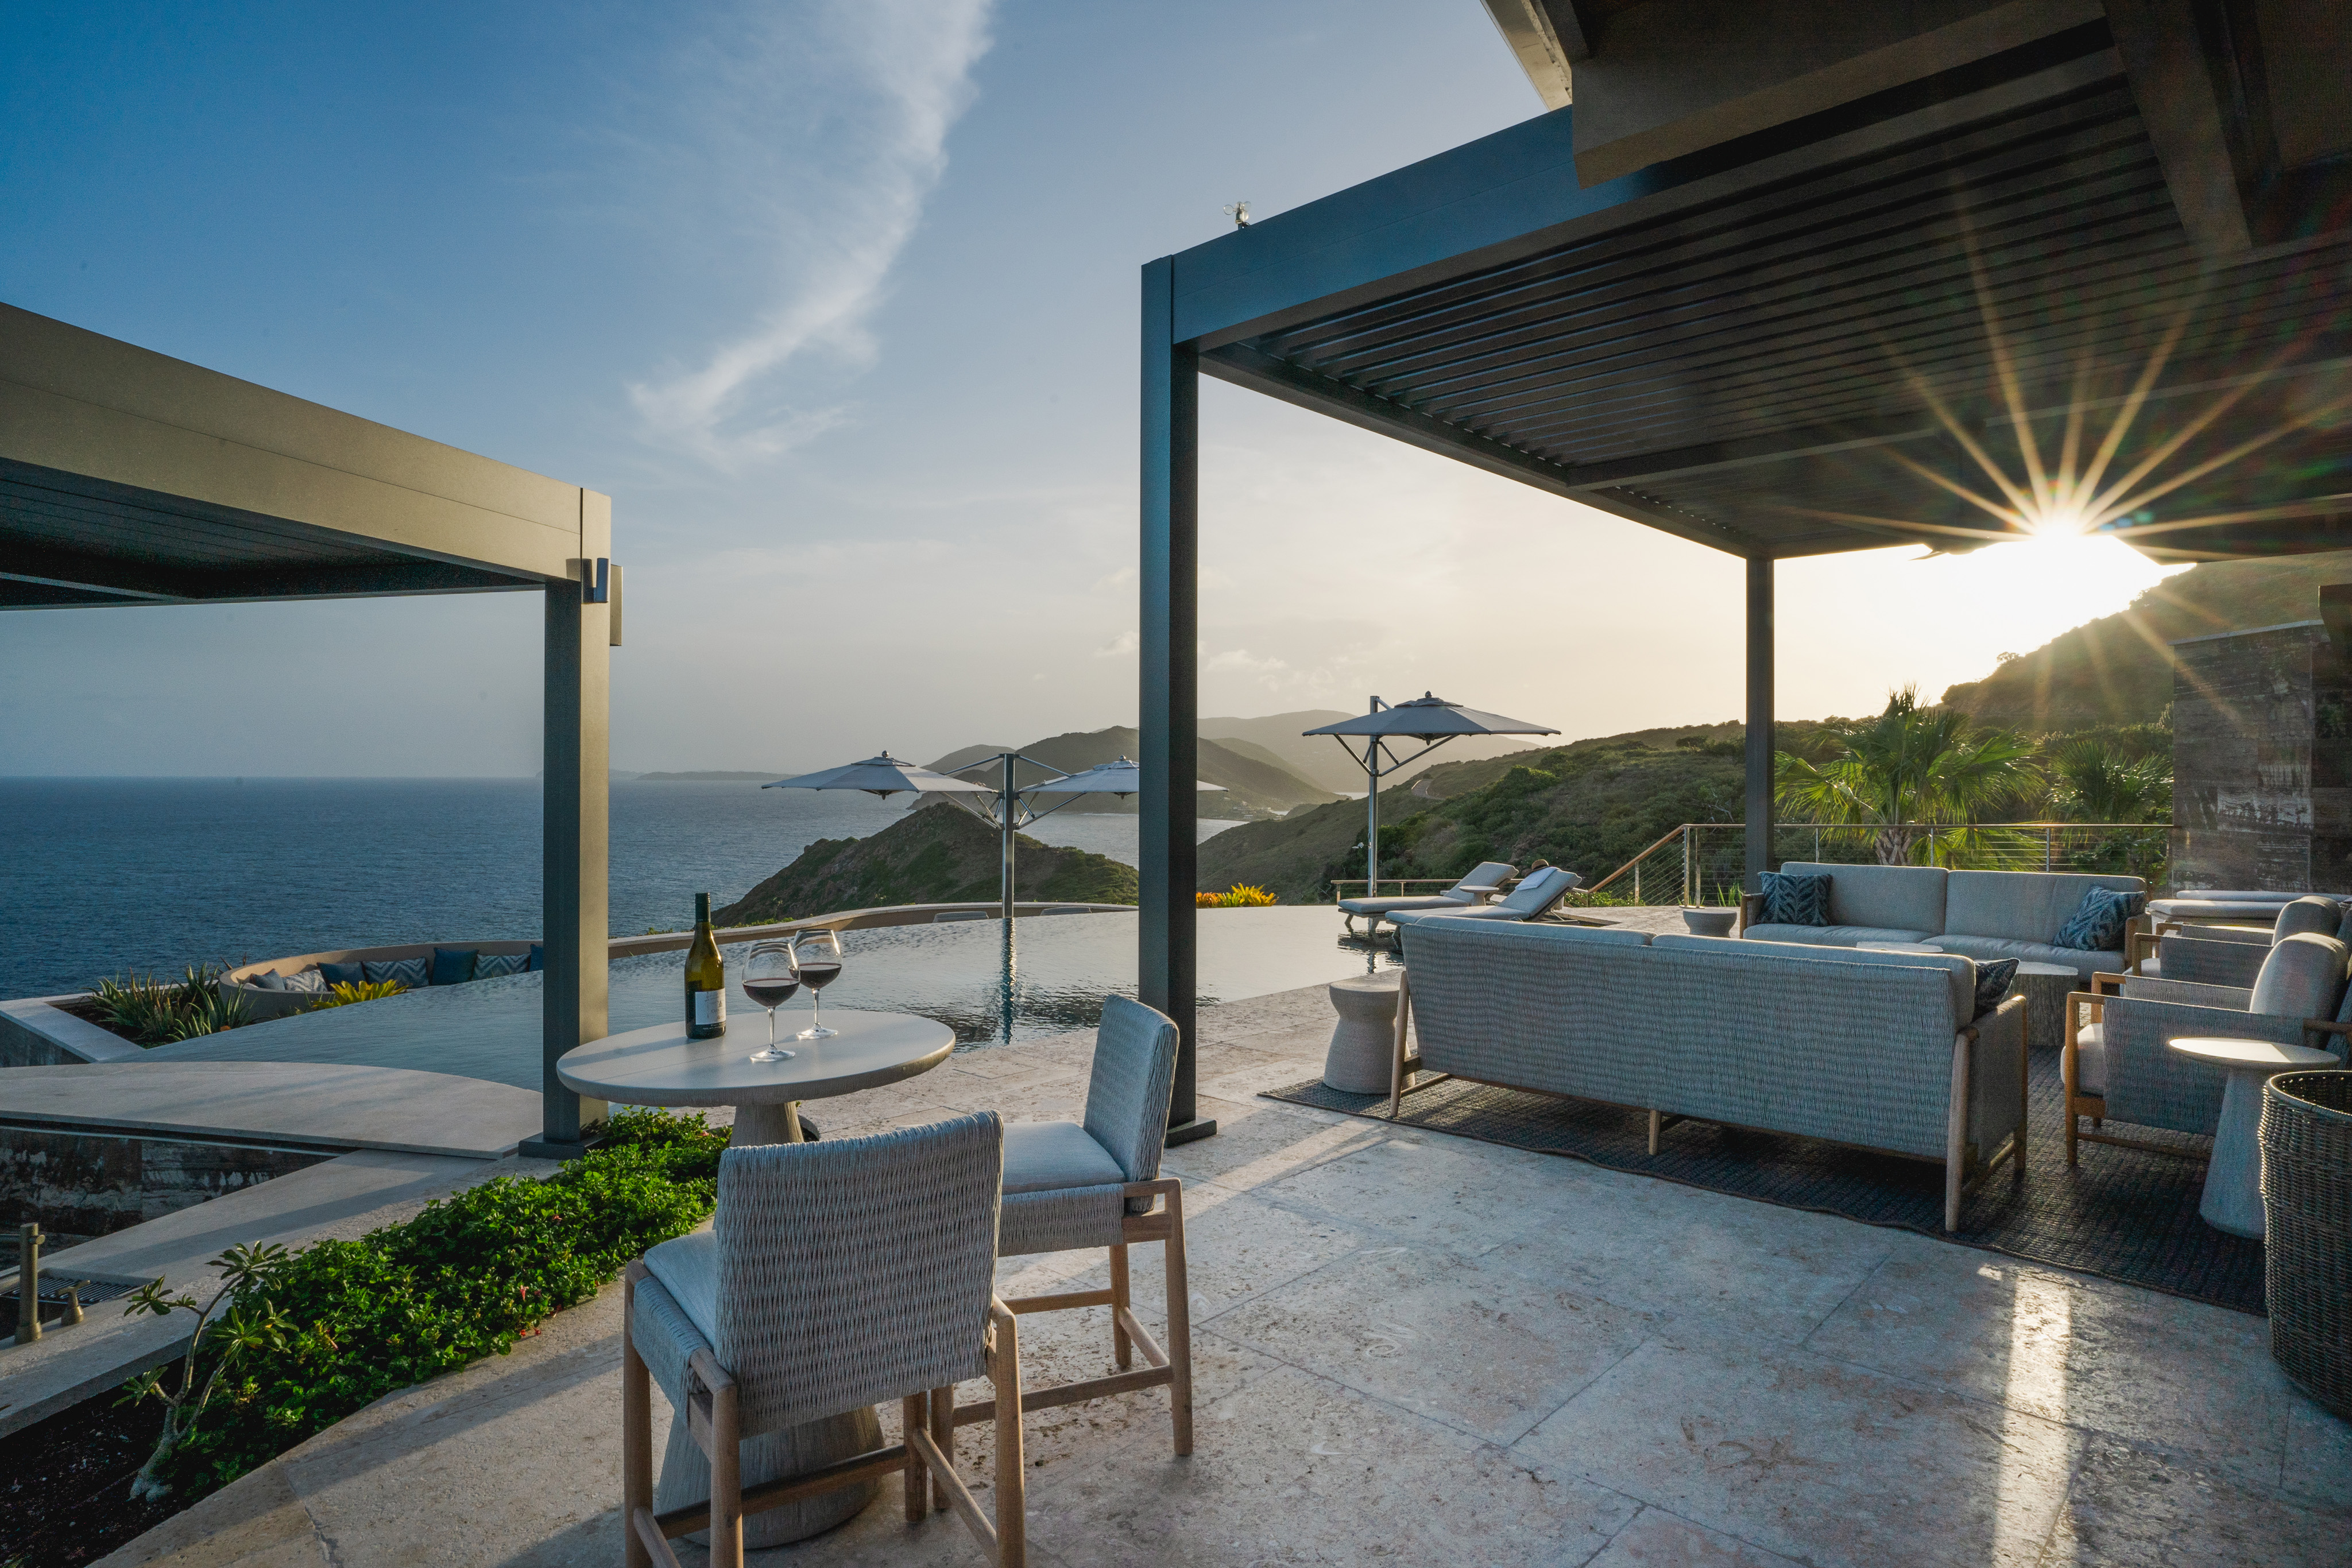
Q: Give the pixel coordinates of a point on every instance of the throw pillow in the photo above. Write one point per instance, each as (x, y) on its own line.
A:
(350, 974)
(491, 966)
(1790, 899)
(1994, 977)
(268, 980)
(406, 973)
(2097, 923)
(454, 966)
(539, 957)
(308, 979)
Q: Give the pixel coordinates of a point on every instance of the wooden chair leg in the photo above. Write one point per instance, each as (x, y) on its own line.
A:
(1180, 1326)
(637, 1432)
(914, 1411)
(726, 1480)
(1121, 1347)
(1012, 1468)
(943, 1433)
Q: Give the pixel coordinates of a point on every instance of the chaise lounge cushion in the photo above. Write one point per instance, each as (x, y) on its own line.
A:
(1961, 972)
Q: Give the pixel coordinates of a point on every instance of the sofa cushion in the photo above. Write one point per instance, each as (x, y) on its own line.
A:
(454, 966)
(1985, 949)
(2302, 979)
(490, 965)
(1834, 935)
(1962, 972)
(1793, 898)
(2099, 922)
(1993, 981)
(1897, 897)
(2030, 905)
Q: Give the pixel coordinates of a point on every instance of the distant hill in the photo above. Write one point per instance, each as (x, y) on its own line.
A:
(1319, 757)
(2118, 670)
(936, 854)
(714, 776)
(1254, 788)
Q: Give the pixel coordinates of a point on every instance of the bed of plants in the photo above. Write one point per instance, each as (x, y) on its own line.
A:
(151, 1010)
(297, 1341)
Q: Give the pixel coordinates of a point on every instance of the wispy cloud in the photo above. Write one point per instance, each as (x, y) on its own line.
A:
(824, 124)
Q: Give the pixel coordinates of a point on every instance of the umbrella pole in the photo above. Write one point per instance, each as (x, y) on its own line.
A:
(1372, 822)
(1008, 805)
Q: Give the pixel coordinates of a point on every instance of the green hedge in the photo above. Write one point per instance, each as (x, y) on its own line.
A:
(463, 1279)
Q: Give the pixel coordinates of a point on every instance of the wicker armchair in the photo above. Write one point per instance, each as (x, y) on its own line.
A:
(2215, 955)
(2115, 1064)
(837, 1275)
(1068, 1185)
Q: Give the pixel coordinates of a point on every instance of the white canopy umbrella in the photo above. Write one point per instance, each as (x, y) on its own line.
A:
(1430, 720)
(1121, 778)
(884, 776)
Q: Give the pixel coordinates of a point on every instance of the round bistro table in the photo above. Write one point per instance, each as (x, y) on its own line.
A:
(659, 1066)
(2233, 1178)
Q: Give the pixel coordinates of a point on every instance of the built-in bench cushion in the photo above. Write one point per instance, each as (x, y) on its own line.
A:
(538, 958)
(490, 965)
(1888, 897)
(2024, 906)
(1984, 949)
(267, 980)
(1961, 972)
(406, 973)
(1834, 935)
(307, 979)
(454, 966)
(350, 974)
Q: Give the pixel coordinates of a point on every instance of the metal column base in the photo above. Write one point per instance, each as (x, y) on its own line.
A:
(554, 1148)
(1192, 1130)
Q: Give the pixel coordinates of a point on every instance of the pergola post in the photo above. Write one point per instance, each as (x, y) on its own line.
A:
(575, 899)
(1759, 722)
(1169, 715)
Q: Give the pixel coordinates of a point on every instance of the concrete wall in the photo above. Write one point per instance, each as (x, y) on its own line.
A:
(2261, 761)
(83, 1185)
(36, 1032)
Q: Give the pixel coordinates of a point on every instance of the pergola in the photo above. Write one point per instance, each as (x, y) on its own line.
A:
(129, 478)
(1815, 318)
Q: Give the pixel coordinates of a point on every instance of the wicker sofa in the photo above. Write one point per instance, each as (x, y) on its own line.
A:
(1879, 1051)
(1977, 913)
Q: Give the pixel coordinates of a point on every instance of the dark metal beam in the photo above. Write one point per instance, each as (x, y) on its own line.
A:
(1169, 712)
(129, 581)
(1760, 724)
(2187, 123)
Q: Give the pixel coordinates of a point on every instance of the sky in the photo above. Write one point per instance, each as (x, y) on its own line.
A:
(837, 298)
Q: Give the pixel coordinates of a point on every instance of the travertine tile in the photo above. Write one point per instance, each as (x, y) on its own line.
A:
(1484, 1351)
(1256, 1144)
(2316, 1469)
(1813, 1459)
(1445, 1191)
(1236, 1248)
(2136, 1508)
(1657, 1539)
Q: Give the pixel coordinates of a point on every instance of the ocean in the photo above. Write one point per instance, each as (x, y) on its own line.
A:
(103, 876)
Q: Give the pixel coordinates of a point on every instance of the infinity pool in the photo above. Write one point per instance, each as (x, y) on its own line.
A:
(1059, 970)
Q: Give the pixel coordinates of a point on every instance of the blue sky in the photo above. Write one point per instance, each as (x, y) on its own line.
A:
(837, 299)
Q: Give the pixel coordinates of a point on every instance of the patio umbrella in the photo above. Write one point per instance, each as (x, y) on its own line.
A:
(1430, 720)
(1121, 778)
(884, 776)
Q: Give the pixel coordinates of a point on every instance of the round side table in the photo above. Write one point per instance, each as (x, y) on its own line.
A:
(1364, 1042)
(2233, 1181)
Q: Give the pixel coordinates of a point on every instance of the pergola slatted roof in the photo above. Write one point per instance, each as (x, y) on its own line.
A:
(1765, 364)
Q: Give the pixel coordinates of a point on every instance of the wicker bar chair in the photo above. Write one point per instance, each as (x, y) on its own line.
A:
(1069, 1186)
(837, 1275)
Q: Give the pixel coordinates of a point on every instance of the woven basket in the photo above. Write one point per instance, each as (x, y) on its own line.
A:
(2308, 1210)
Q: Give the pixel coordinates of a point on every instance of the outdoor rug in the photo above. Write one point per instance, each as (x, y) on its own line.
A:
(2121, 1214)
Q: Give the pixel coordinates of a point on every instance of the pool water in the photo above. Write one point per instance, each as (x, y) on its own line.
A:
(1060, 969)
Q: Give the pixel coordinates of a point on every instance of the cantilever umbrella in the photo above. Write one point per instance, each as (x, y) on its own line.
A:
(1121, 778)
(1430, 720)
(884, 776)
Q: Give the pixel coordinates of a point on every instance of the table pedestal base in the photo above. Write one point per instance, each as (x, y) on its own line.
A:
(796, 1451)
(2234, 1179)
(777, 1121)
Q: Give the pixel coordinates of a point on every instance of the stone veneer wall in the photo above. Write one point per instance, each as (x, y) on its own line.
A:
(2261, 761)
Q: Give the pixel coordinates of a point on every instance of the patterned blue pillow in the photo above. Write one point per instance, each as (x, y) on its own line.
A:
(2097, 923)
(1993, 979)
(490, 965)
(406, 973)
(1790, 899)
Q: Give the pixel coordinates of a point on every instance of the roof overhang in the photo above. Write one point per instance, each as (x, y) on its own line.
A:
(1823, 336)
(127, 477)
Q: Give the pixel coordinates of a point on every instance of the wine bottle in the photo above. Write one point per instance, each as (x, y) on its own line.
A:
(706, 979)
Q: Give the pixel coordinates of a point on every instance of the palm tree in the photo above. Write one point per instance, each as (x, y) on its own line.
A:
(1909, 765)
(2097, 783)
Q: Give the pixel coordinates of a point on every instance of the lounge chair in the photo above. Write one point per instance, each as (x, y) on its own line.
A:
(1465, 894)
(1535, 896)
(2230, 955)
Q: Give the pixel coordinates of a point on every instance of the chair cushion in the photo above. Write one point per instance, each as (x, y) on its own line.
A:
(2302, 979)
(1794, 899)
(2098, 922)
(2091, 1060)
(2311, 912)
(1984, 949)
(687, 1267)
(1835, 936)
(454, 966)
(1993, 979)
(408, 973)
(491, 966)
(1041, 1156)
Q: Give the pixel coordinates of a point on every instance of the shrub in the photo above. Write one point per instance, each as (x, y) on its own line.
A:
(154, 1011)
(465, 1278)
(1241, 896)
(347, 992)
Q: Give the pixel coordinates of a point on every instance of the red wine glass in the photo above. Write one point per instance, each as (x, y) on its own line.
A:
(819, 953)
(772, 974)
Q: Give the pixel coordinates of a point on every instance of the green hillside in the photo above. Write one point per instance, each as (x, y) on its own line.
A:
(2117, 671)
(936, 854)
(1254, 787)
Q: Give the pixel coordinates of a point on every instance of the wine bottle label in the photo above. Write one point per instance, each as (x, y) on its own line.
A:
(709, 1008)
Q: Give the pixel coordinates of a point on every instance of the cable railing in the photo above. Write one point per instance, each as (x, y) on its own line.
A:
(1705, 863)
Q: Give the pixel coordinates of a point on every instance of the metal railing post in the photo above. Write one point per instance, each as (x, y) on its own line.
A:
(1690, 894)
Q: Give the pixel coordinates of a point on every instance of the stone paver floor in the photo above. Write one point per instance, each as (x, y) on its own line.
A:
(1413, 1348)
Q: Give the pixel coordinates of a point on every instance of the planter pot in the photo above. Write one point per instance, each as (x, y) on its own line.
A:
(2306, 1135)
(1710, 922)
